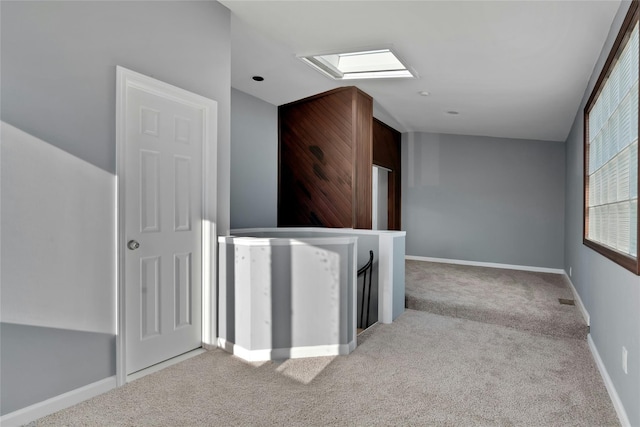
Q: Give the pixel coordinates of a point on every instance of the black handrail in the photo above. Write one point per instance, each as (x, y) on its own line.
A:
(363, 270)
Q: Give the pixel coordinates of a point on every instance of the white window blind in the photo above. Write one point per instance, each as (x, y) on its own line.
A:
(613, 156)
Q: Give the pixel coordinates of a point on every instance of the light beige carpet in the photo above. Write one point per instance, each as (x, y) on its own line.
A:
(422, 370)
(519, 299)
(522, 361)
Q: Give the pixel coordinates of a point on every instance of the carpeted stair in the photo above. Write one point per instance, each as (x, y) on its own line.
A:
(523, 300)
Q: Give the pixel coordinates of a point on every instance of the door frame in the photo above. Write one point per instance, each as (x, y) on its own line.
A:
(126, 79)
(375, 200)
(386, 153)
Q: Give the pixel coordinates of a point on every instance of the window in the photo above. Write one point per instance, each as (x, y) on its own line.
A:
(370, 64)
(611, 152)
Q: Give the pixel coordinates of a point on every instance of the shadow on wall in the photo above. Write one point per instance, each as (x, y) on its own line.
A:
(58, 271)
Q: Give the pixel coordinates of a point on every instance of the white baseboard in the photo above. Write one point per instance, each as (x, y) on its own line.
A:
(286, 353)
(57, 403)
(613, 394)
(576, 296)
(486, 264)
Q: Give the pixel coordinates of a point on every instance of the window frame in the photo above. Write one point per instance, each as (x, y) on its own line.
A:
(629, 262)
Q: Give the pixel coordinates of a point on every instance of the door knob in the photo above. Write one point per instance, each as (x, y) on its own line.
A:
(133, 245)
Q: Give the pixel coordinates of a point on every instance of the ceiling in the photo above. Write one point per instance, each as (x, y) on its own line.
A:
(512, 69)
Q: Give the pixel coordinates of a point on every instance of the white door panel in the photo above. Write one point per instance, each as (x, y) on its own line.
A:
(163, 205)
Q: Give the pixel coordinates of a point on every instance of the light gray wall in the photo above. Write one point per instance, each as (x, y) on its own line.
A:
(33, 358)
(383, 115)
(483, 199)
(58, 273)
(58, 69)
(609, 293)
(58, 83)
(254, 162)
(58, 221)
(59, 58)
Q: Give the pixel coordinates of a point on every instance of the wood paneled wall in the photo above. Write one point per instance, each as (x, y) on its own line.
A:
(363, 137)
(386, 153)
(325, 160)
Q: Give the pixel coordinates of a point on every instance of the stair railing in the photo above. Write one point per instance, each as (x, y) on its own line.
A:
(367, 268)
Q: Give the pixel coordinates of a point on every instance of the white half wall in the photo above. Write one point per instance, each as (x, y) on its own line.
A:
(389, 250)
(287, 298)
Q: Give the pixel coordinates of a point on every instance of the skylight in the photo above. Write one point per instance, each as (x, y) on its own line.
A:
(370, 64)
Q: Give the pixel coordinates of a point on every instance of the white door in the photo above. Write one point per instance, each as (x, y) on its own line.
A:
(163, 140)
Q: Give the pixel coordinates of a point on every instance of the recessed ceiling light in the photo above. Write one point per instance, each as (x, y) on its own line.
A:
(424, 93)
(369, 64)
(258, 78)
